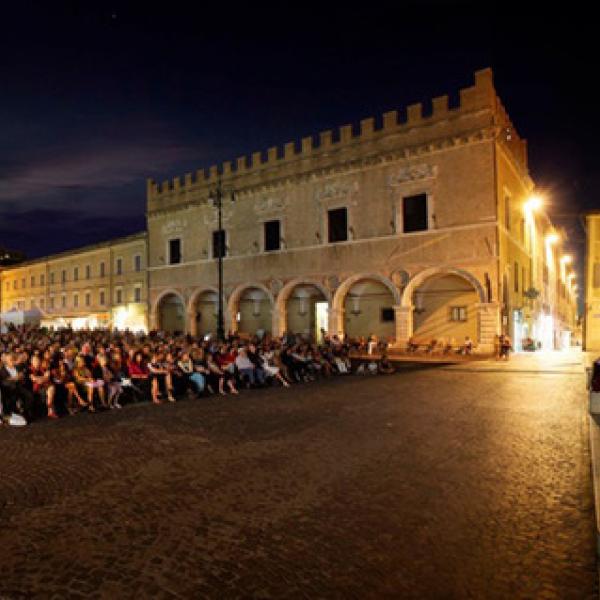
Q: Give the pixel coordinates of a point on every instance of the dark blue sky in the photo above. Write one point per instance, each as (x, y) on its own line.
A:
(98, 96)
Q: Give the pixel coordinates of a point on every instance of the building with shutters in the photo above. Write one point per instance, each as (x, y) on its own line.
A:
(102, 285)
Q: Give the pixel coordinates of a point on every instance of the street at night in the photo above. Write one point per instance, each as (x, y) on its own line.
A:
(439, 482)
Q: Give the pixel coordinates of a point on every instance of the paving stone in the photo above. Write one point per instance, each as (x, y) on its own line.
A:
(427, 484)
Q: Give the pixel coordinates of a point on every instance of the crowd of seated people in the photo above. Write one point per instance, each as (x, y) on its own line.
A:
(55, 373)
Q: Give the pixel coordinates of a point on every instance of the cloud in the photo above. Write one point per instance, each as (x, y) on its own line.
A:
(85, 169)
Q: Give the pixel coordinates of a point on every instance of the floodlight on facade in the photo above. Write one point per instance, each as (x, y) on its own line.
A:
(533, 203)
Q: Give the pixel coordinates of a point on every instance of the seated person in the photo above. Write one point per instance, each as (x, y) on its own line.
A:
(385, 366)
(16, 397)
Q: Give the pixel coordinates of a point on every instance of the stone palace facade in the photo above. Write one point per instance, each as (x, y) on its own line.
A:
(411, 225)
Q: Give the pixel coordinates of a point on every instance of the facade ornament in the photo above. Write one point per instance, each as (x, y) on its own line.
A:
(332, 282)
(269, 205)
(400, 278)
(412, 173)
(210, 216)
(336, 190)
(174, 227)
(275, 286)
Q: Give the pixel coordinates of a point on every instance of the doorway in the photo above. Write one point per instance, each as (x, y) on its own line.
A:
(321, 318)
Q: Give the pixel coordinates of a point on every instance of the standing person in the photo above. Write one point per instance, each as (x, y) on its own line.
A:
(506, 346)
(498, 347)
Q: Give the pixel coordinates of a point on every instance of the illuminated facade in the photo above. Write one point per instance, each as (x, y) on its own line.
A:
(413, 225)
(103, 285)
(591, 320)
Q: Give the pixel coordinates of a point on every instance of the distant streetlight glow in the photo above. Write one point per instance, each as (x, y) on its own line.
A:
(533, 203)
(566, 259)
(551, 238)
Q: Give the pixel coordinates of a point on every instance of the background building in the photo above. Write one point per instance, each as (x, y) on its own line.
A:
(591, 313)
(103, 285)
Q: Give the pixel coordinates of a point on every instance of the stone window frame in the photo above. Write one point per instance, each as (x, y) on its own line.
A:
(119, 265)
(335, 204)
(119, 296)
(413, 189)
(136, 257)
(137, 293)
(211, 246)
(507, 204)
(168, 241)
(63, 301)
(88, 271)
(88, 297)
(76, 300)
(76, 273)
(399, 212)
(460, 312)
(263, 221)
(102, 297)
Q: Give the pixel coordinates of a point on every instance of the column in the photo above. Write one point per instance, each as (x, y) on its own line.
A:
(279, 320)
(336, 322)
(488, 314)
(404, 324)
(192, 324)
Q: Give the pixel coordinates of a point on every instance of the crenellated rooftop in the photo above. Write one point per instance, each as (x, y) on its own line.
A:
(480, 96)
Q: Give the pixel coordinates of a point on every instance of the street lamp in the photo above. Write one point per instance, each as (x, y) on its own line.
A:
(533, 203)
(216, 197)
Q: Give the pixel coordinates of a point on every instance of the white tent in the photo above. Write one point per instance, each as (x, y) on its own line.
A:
(19, 317)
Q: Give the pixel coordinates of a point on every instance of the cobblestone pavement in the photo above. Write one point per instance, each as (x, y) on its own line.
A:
(426, 484)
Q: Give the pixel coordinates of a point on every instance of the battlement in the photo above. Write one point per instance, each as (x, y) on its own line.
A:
(481, 95)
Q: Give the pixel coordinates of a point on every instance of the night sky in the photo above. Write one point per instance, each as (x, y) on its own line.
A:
(96, 97)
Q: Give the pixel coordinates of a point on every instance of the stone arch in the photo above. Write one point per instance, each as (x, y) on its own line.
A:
(337, 320)
(344, 288)
(420, 278)
(198, 292)
(236, 296)
(192, 308)
(156, 307)
(280, 323)
(288, 288)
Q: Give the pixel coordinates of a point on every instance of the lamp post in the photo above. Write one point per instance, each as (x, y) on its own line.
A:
(216, 197)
